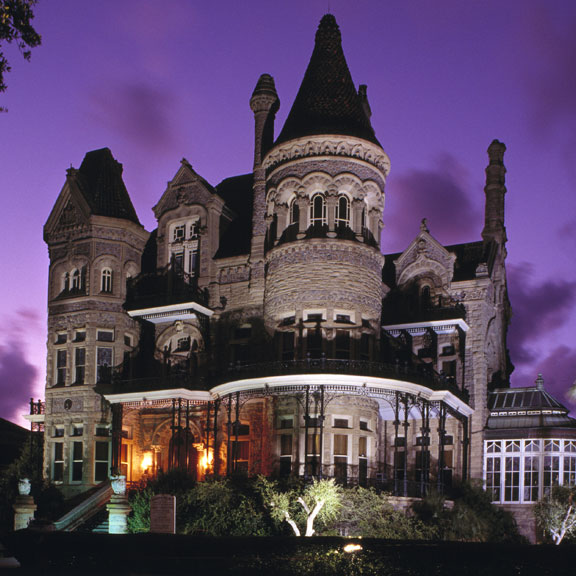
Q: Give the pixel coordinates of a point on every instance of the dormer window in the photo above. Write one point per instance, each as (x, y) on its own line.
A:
(184, 247)
(179, 233)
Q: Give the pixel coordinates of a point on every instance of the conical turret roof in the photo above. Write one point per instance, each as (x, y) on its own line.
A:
(327, 102)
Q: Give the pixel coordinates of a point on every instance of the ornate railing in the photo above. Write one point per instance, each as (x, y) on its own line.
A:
(168, 286)
(421, 374)
(417, 374)
(37, 407)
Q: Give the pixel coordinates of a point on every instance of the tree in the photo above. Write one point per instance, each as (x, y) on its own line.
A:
(15, 26)
(370, 514)
(301, 507)
(556, 513)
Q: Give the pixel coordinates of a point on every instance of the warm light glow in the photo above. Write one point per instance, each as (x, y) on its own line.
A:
(352, 548)
(146, 461)
(207, 459)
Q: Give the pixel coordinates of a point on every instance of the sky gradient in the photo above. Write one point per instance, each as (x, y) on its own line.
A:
(159, 80)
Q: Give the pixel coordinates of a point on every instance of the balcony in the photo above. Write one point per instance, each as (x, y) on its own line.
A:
(166, 296)
(421, 374)
(182, 377)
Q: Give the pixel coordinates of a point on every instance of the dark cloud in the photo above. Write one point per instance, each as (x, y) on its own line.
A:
(538, 310)
(139, 112)
(17, 379)
(559, 372)
(441, 196)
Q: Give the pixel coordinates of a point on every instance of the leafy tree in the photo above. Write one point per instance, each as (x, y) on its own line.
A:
(473, 517)
(223, 508)
(139, 519)
(556, 513)
(301, 507)
(16, 26)
(370, 514)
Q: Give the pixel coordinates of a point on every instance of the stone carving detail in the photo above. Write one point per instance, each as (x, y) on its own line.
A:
(350, 147)
(102, 248)
(234, 274)
(118, 484)
(24, 487)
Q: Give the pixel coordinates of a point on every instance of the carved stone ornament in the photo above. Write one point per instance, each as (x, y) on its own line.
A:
(322, 146)
(24, 486)
(118, 484)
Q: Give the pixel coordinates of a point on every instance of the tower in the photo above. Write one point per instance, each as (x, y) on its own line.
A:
(325, 180)
(95, 243)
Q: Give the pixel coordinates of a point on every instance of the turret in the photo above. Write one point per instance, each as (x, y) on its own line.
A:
(495, 189)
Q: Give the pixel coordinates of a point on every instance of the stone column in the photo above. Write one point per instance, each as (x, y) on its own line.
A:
(118, 507)
(24, 509)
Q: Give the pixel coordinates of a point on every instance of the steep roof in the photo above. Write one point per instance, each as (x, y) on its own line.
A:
(237, 193)
(327, 102)
(100, 181)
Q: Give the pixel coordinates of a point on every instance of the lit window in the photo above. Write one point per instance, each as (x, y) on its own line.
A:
(106, 280)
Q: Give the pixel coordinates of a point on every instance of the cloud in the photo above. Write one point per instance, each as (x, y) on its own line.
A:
(538, 310)
(559, 372)
(17, 379)
(18, 375)
(441, 196)
(139, 112)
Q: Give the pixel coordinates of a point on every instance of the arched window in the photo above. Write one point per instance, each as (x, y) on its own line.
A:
(343, 211)
(318, 210)
(425, 297)
(65, 281)
(294, 212)
(106, 280)
(76, 280)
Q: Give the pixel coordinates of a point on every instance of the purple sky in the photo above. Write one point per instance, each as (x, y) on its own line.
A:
(158, 80)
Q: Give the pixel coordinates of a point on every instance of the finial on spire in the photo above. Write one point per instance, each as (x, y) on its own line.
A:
(424, 225)
(539, 382)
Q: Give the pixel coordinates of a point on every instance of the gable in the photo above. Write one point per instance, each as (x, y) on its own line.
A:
(425, 257)
(186, 188)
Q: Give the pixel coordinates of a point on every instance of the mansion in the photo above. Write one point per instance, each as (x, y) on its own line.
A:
(259, 329)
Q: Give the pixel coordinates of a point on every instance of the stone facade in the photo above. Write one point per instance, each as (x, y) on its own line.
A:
(259, 328)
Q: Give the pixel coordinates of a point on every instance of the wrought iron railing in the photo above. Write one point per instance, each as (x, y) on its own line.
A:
(168, 286)
(418, 374)
(177, 377)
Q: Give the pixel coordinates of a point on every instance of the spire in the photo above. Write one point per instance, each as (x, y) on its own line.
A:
(495, 190)
(264, 103)
(327, 102)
